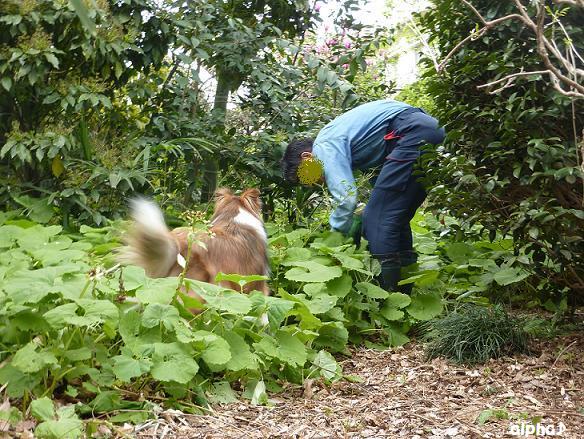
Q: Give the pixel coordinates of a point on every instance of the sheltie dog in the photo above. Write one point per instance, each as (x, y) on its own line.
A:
(236, 242)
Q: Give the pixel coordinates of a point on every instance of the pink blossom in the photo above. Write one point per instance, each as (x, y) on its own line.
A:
(345, 66)
(347, 44)
(317, 6)
(331, 42)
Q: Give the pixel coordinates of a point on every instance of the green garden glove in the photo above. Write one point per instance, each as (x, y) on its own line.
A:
(355, 230)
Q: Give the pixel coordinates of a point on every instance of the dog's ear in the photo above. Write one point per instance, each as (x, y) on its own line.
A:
(251, 200)
(221, 195)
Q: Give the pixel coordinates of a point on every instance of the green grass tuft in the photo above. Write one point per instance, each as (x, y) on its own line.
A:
(475, 334)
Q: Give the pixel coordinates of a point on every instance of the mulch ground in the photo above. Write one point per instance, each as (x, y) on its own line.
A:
(402, 395)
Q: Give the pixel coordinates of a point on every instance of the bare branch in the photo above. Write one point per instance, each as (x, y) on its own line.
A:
(510, 79)
(559, 74)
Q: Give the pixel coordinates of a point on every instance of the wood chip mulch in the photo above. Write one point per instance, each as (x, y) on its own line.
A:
(403, 395)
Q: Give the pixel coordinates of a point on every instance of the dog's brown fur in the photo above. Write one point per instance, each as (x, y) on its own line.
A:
(231, 247)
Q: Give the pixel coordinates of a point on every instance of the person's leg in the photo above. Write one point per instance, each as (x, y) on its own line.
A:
(396, 196)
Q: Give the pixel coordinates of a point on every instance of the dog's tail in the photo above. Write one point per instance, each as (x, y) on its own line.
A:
(149, 243)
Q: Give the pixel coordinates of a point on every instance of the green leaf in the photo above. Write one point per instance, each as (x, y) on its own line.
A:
(241, 356)
(259, 397)
(510, 275)
(277, 310)
(6, 82)
(43, 409)
(28, 360)
(290, 350)
(127, 368)
(239, 279)
(215, 349)
(341, 286)
(67, 426)
(332, 336)
(371, 290)
(425, 306)
(391, 313)
(221, 298)
(59, 316)
(83, 15)
(398, 300)
(221, 393)
(349, 262)
(326, 366)
(173, 362)
(160, 290)
(396, 335)
(157, 314)
(51, 58)
(310, 271)
(459, 252)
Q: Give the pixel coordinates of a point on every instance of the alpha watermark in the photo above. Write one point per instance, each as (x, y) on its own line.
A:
(526, 429)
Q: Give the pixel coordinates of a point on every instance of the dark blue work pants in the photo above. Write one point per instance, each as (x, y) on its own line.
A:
(397, 194)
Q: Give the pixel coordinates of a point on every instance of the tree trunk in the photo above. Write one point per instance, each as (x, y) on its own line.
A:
(225, 84)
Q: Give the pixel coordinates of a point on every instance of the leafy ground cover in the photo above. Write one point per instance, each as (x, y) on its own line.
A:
(82, 336)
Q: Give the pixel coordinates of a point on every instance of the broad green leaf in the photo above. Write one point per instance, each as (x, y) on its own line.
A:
(215, 349)
(341, 286)
(396, 335)
(160, 290)
(17, 382)
(391, 313)
(371, 290)
(98, 310)
(510, 275)
(310, 271)
(326, 366)
(59, 316)
(290, 349)
(28, 360)
(173, 362)
(332, 336)
(158, 314)
(349, 262)
(277, 310)
(239, 279)
(80, 354)
(259, 397)
(133, 277)
(425, 306)
(67, 426)
(127, 368)
(220, 298)
(398, 300)
(43, 409)
(296, 254)
(221, 393)
(459, 252)
(315, 289)
(241, 356)
(321, 303)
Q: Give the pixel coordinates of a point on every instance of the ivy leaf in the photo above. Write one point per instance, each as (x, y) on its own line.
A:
(425, 306)
(372, 291)
(310, 271)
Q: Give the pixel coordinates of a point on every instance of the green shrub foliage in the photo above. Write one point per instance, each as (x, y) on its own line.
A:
(512, 160)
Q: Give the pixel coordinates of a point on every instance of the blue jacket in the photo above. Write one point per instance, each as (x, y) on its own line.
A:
(354, 140)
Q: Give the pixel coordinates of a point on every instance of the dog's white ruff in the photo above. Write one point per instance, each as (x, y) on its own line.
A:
(247, 219)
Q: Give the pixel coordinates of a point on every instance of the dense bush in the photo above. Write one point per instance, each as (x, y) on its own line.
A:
(512, 160)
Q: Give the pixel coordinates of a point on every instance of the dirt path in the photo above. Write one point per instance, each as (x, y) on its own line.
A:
(401, 395)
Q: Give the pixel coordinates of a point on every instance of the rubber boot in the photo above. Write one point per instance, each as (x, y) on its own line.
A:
(407, 258)
(390, 273)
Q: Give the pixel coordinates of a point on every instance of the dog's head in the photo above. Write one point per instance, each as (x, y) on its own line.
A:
(227, 202)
